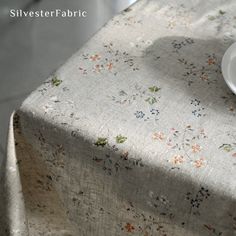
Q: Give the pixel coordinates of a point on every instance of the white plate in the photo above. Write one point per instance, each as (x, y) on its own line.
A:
(228, 66)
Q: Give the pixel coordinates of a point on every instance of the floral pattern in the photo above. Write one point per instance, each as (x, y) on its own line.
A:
(97, 63)
(137, 131)
(205, 73)
(112, 165)
(184, 144)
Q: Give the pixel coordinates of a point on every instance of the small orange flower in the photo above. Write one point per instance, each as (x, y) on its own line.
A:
(130, 228)
(177, 159)
(196, 148)
(199, 163)
(95, 57)
(158, 136)
(204, 77)
(211, 61)
(109, 66)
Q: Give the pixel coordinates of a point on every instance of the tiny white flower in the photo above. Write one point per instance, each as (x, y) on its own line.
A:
(54, 99)
(150, 194)
(12, 169)
(47, 108)
(132, 44)
(139, 39)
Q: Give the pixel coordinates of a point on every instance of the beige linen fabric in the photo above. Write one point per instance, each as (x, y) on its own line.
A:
(135, 134)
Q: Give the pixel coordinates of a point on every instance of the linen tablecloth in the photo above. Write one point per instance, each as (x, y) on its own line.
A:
(134, 135)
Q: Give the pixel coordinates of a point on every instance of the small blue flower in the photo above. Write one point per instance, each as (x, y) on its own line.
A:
(195, 102)
(154, 111)
(139, 114)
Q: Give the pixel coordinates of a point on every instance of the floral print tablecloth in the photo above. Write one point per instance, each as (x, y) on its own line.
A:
(135, 134)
